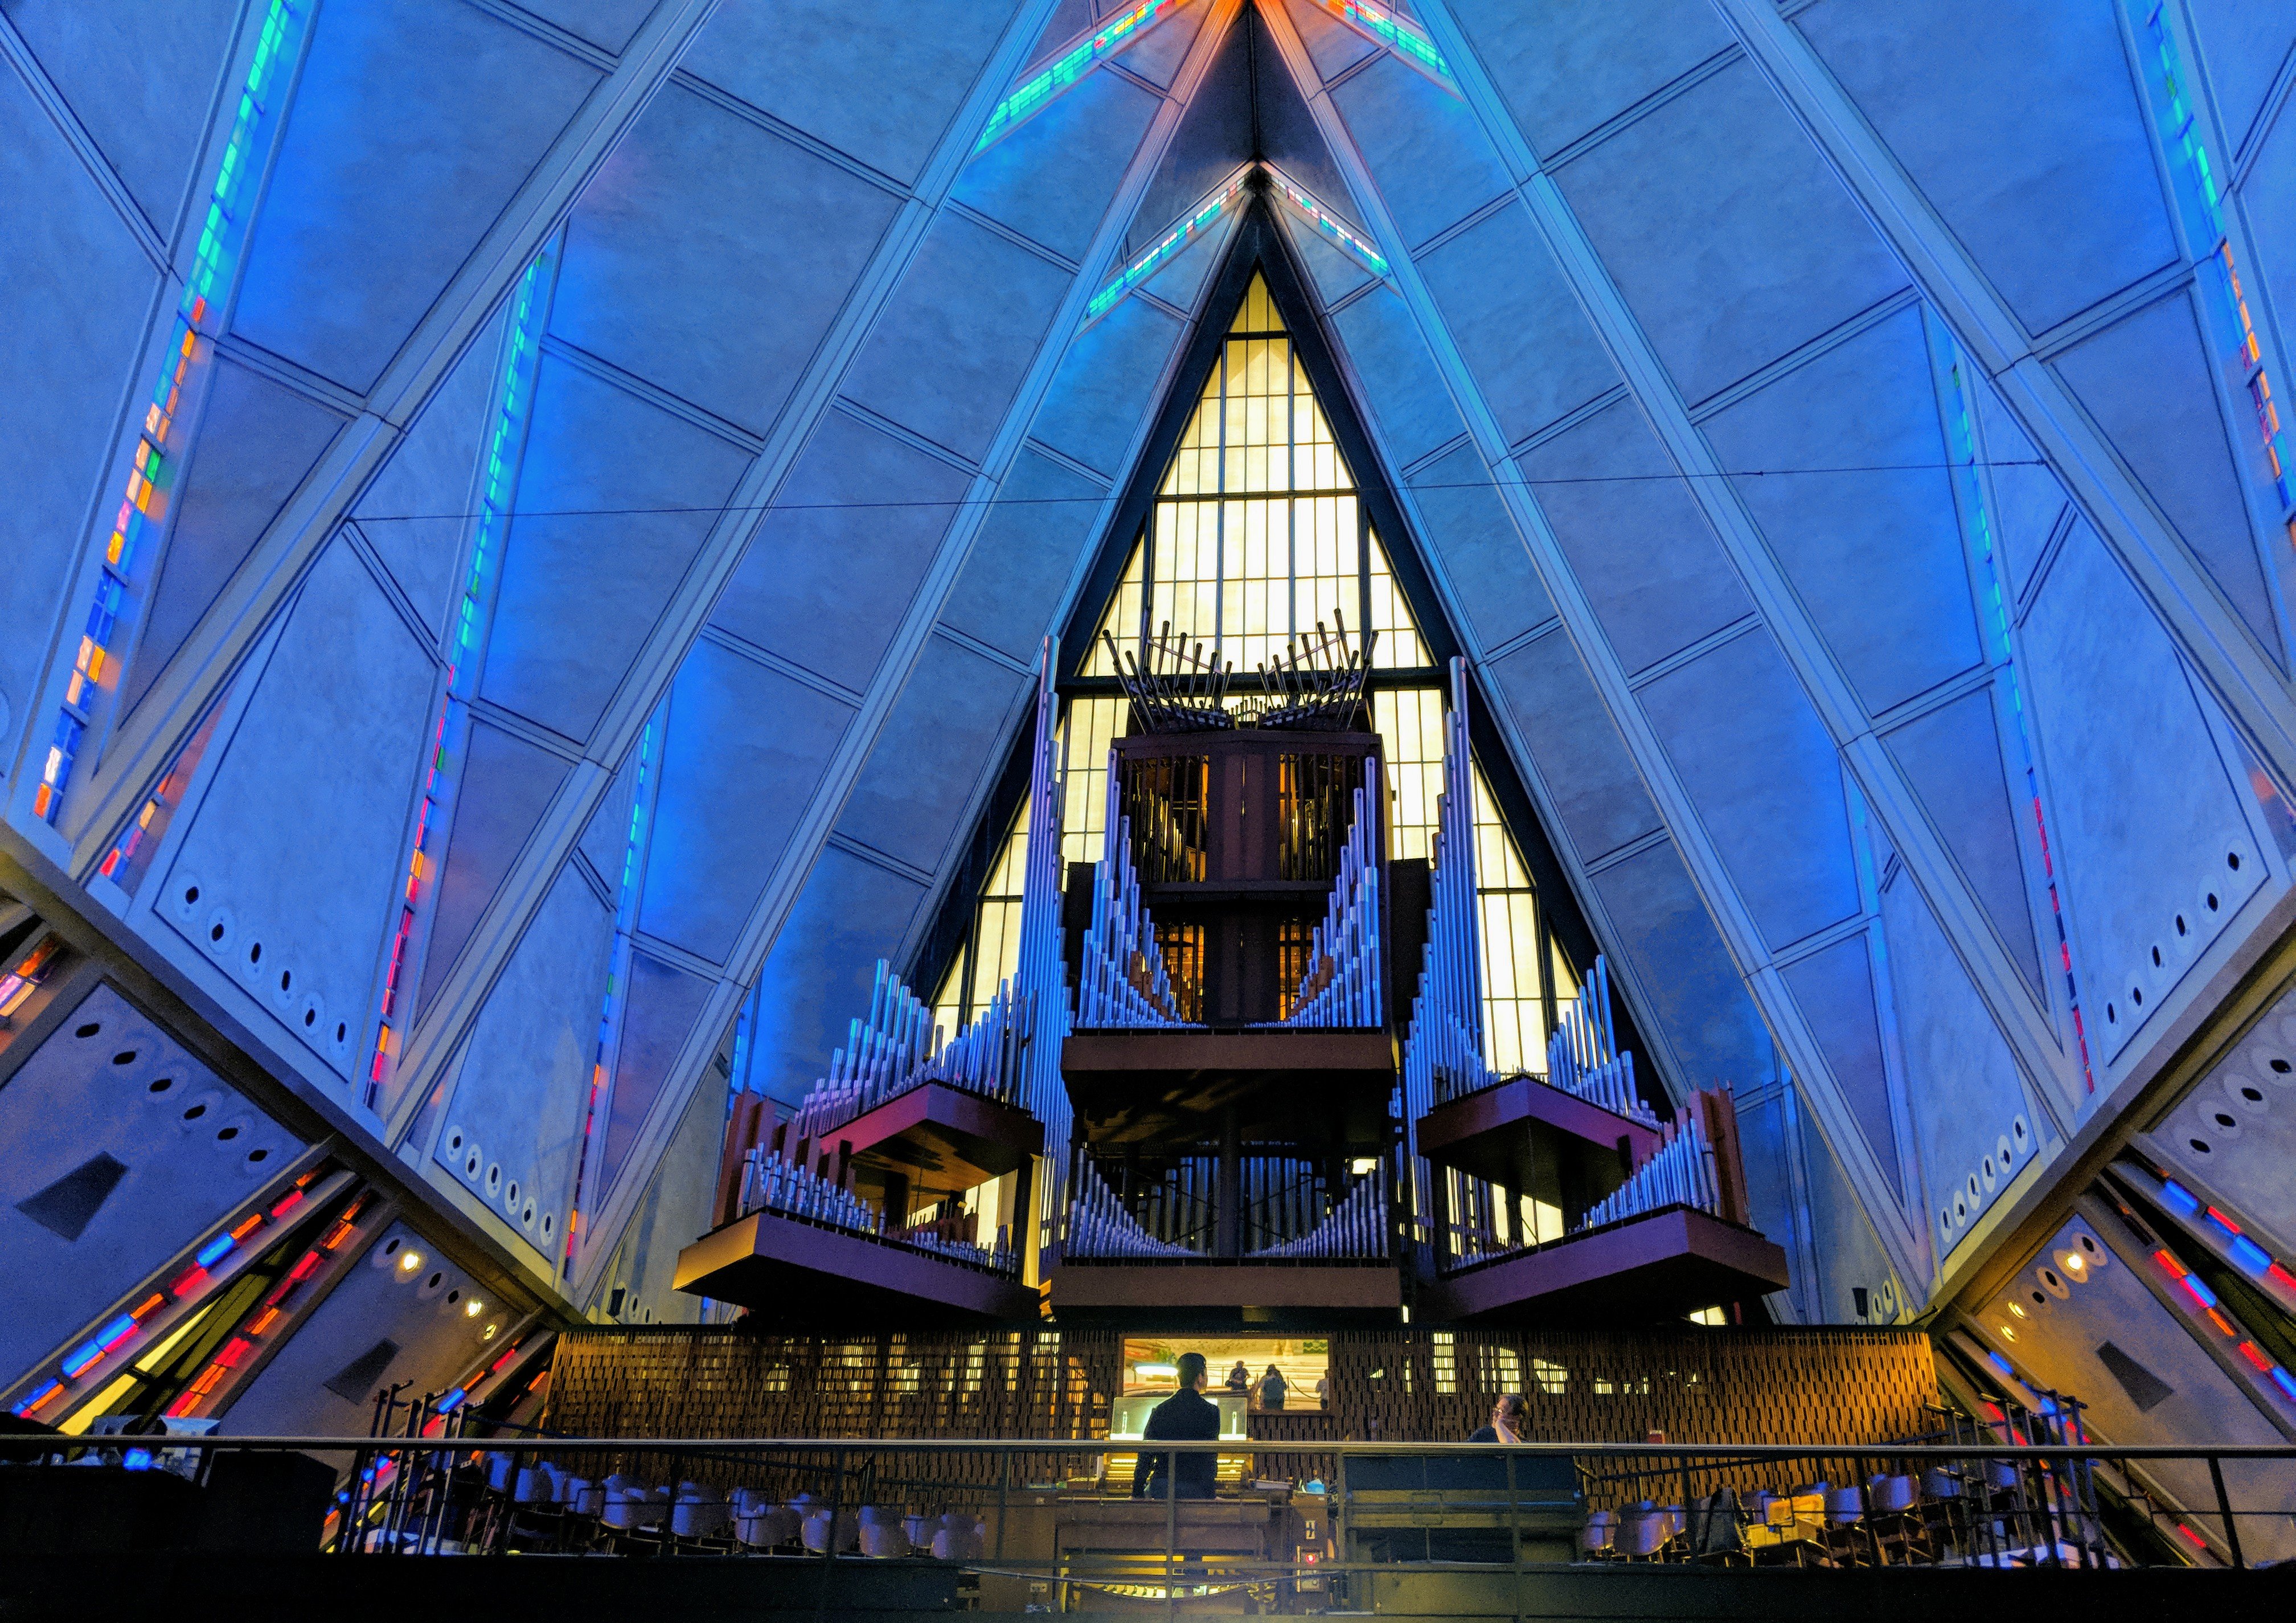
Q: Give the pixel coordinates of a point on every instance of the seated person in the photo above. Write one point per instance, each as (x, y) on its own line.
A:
(1186, 1416)
(1238, 1378)
(1507, 1415)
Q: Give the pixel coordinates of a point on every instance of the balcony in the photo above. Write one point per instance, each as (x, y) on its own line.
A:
(774, 1264)
(1149, 1086)
(1656, 1265)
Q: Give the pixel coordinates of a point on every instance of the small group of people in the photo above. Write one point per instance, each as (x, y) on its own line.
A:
(1271, 1390)
(1188, 1416)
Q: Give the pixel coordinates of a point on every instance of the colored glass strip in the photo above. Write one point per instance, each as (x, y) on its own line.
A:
(506, 443)
(2244, 1253)
(130, 857)
(19, 982)
(143, 509)
(1327, 225)
(2204, 206)
(1967, 462)
(609, 1018)
(194, 1281)
(1162, 251)
(1399, 35)
(1068, 65)
(272, 1309)
(2205, 1302)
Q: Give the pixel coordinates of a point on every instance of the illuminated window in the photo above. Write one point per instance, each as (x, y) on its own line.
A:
(1257, 536)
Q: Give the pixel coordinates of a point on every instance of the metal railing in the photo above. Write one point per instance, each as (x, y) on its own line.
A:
(1020, 1520)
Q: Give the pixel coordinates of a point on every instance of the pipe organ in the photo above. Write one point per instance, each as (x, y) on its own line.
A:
(1247, 1084)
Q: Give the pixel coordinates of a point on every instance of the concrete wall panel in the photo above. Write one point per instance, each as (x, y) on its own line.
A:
(746, 746)
(2021, 124)
(828, 578)
(524, 1085)
(140, 80)
(1764, 780)
(1974, 1125)
(683, 263)
(256, 441)
(298, 844)
(867, 77)
(947, 733)
(1652, 569)
(401, 148)
(2146, 382)
(82, 283)
(1731, 240)
(1952, 756)
(1566, 68)
(505, 785)
(415, 512)
(2145, 821)
(951, 347)
(580, 592)
(110, 1082)
(850, 913)
(1534, 355)
(1835, 992)
(1876, 557)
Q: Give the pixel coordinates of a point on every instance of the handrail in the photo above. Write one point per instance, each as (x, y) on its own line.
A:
(25, 1443)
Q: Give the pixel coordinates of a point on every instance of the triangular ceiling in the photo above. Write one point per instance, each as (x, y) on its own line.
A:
(1664, 343)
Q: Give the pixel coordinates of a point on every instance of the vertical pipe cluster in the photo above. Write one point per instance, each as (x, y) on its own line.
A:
(1121, 982)
(1583, 1056)
(1681, 1173)
(1443, 1051)
(1341, 987)
(1011, 1050)
(1099, 1225)
(882, 1055)
(1040, 975)
(1357, 1226)
(896, 1048)
(770, 1183)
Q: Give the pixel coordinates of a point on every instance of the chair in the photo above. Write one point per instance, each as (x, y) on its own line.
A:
(825, 1529)
(1644, 1533)
(628, 1506)
(535, 1485)
(698, 1513)
(884, 1536)
(961, 1538)
(1844, 1507)
(1595, 1539)
(1891, 1494)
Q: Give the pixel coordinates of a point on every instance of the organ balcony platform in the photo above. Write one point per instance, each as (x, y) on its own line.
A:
(1672, 1237)
(1524, 1134)
(1160, 1087)
(932, 1141)
(779, 1265)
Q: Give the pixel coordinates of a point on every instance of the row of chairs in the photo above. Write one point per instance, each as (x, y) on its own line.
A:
(540, 1502)
(1988, 1513)
(1813, 1522)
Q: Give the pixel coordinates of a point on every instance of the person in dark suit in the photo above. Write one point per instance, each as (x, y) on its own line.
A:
(1186, 1416)
(1507, 1415)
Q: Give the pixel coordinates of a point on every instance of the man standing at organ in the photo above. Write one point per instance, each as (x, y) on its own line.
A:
(1186, 1416)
